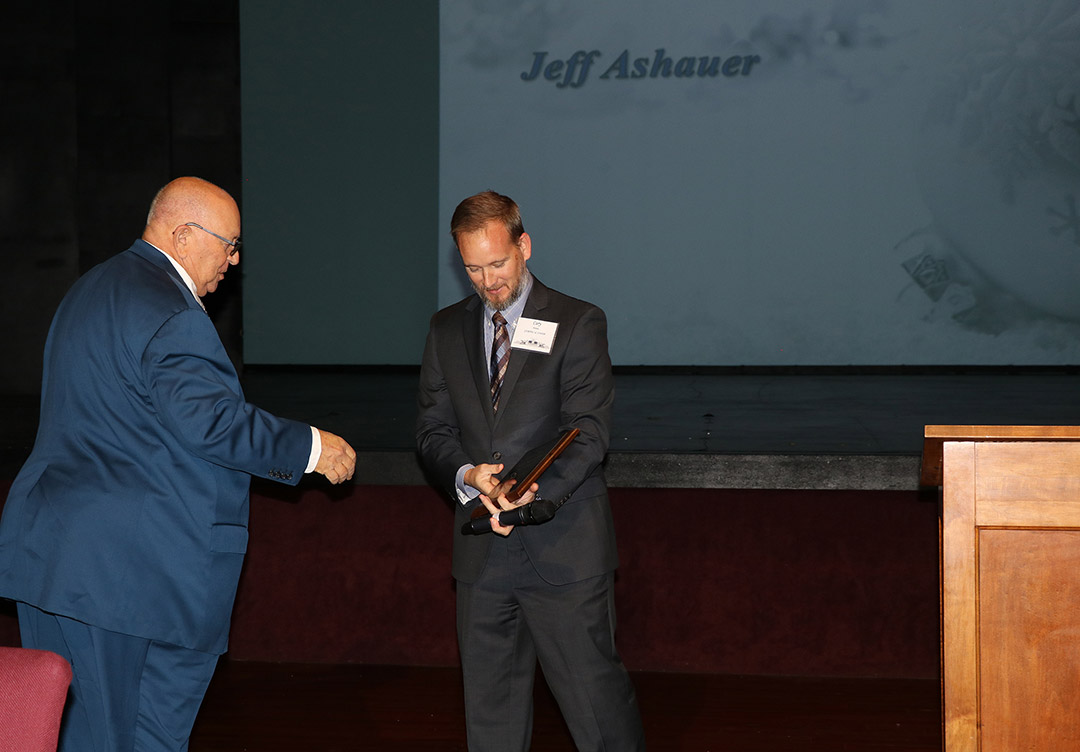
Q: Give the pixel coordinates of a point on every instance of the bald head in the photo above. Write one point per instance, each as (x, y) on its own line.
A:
(186, 200)
(186, 219)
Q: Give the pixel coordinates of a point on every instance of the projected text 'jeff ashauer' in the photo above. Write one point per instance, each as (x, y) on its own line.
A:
(574, 71)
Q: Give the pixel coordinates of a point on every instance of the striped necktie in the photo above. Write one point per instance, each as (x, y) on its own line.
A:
(500, 356)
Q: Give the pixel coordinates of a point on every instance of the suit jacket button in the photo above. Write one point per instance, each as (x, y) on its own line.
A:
(496, 456)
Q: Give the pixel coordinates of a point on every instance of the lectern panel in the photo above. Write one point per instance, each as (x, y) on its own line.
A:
(1028, 484)
(1029, 639)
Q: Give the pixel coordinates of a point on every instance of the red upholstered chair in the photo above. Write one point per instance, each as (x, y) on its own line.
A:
(33, 688)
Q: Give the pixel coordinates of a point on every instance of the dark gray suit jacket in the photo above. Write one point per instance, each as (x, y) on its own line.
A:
(542, 395)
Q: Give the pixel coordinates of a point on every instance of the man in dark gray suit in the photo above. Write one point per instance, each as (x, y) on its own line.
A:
(540, 591)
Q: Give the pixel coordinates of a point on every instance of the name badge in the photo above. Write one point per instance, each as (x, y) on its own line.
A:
(534, 335)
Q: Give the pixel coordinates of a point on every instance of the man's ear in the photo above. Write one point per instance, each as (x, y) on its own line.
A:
(525, 244)
(181, 238)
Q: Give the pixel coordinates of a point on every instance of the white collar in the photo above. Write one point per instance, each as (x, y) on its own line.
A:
(183, 275)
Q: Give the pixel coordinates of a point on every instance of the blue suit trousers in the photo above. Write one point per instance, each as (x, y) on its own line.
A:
(127, 693)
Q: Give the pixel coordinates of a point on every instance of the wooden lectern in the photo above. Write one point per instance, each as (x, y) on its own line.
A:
(1010, 585)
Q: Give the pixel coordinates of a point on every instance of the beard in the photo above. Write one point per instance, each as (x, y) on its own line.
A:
(515, 293)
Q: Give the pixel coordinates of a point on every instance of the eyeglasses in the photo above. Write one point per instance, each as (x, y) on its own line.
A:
(235, 244)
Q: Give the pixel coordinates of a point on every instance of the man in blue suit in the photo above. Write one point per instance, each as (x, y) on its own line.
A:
(123, 535)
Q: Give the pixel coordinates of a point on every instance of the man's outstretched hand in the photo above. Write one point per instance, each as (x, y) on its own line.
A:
(338, 460)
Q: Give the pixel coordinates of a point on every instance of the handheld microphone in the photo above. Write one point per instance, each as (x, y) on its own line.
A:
(536, 513)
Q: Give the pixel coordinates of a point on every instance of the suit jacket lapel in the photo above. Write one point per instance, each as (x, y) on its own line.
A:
(537, 302)
(472, 331)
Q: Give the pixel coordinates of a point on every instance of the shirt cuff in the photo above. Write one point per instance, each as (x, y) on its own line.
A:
(465, 492)
(316, 450)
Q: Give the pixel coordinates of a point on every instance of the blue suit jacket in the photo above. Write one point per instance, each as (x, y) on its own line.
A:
(131, 512)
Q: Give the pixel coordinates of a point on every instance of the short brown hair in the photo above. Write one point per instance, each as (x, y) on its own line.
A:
(476, 211)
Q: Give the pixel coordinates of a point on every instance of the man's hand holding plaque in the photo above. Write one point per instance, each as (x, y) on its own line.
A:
(517, 489)
(502, 503)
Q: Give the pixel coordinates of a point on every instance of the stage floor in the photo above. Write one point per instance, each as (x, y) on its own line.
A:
(333, 708)
(727, 428)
